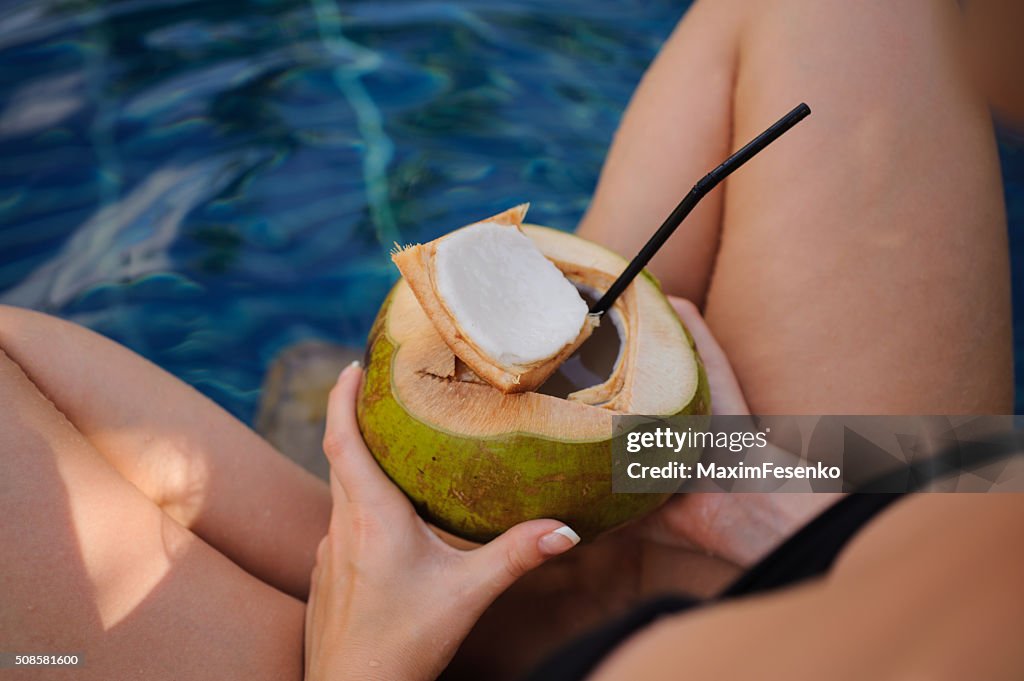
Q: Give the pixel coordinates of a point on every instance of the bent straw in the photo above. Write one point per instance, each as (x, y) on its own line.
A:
(699, 191)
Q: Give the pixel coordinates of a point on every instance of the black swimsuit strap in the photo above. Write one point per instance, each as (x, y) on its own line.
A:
(811, 551)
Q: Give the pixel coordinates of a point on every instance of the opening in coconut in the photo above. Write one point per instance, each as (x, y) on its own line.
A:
(594, 362)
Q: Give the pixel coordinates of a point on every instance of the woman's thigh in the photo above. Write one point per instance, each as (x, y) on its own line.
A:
(90, 565)
(863, 263)
(192, 459)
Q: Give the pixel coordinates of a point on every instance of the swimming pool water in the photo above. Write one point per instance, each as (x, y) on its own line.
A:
(207, 182)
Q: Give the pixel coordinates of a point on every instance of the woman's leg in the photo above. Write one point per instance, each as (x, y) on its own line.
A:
(864, 261)
(194, 461)
(862, 265)
(90, 565)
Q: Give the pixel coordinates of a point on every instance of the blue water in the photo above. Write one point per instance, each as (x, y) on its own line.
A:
(207, 182)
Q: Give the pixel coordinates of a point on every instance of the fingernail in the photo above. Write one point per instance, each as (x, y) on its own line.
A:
(355, 364)
(558, 541)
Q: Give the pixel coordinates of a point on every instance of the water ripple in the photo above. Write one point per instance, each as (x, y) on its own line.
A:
(125, 240)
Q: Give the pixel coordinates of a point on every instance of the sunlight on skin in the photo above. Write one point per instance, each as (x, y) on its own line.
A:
(121, 585)
(178, 473)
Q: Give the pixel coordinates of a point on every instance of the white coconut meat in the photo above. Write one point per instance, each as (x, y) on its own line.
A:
(506, 310)
(509, 300)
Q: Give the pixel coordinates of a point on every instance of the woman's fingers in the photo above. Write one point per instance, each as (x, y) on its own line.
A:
(352, 465)
(496, 565)
(726, 395)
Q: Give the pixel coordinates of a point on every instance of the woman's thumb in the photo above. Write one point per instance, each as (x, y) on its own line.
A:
(496, 565)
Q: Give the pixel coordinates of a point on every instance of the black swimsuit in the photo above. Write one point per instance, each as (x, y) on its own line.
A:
(808, 553)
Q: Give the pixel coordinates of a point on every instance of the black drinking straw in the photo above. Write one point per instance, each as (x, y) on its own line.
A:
(699, 191)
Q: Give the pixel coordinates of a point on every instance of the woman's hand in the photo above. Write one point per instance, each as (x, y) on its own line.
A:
(726, 395)
(740, 528)
(389, 599)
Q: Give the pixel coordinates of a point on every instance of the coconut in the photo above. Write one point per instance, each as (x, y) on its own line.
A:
(490, 392)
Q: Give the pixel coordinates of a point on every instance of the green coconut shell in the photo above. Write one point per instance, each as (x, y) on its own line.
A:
(478, 487)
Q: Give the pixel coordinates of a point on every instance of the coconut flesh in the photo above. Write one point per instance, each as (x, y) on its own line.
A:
(510, 301)
(473, 402)
(503, 308)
